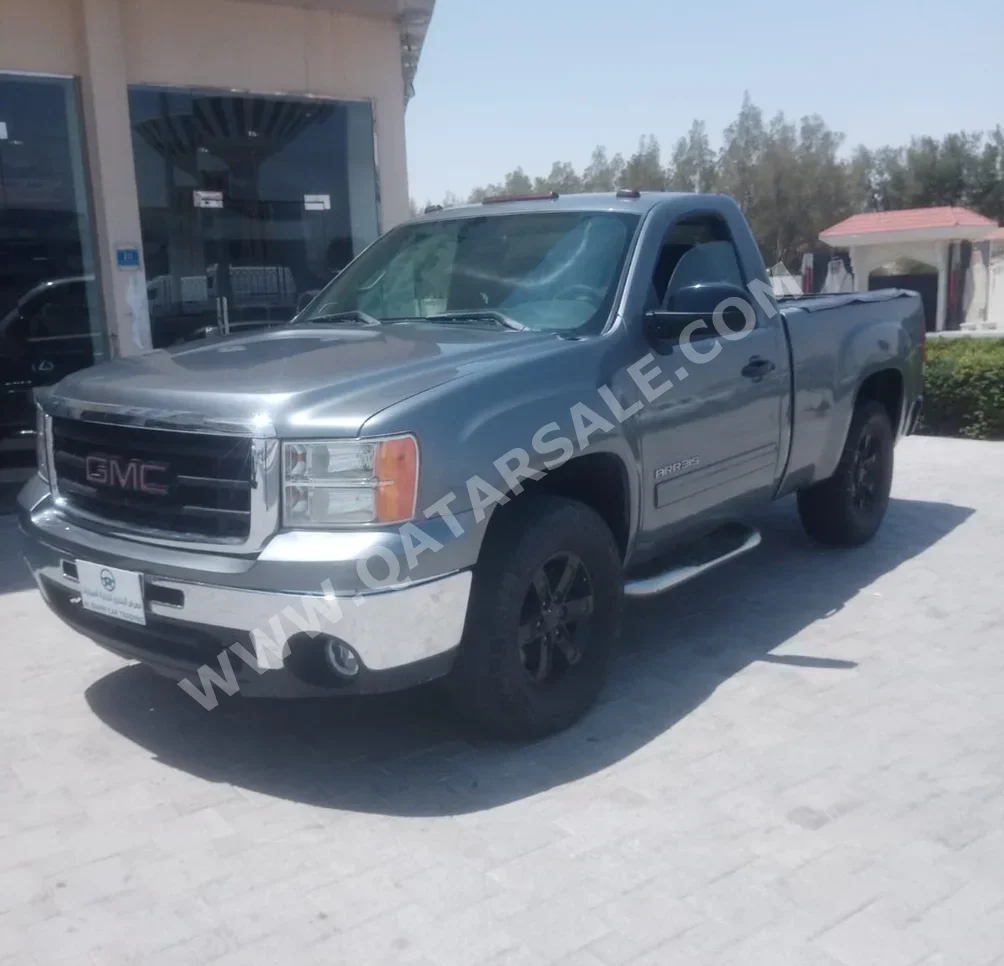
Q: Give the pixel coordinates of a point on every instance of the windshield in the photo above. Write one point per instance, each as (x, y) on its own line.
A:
(548, 271)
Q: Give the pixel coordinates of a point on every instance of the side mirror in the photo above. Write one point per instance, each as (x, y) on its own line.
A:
(695, 303)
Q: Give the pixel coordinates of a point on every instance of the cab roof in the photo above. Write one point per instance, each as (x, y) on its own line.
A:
(638, 202)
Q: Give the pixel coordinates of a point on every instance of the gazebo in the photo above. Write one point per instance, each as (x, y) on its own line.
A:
(911, 242)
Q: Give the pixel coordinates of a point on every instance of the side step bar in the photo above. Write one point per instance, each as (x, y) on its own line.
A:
(659, 583)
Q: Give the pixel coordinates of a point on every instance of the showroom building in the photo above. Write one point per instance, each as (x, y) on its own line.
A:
(165, 167)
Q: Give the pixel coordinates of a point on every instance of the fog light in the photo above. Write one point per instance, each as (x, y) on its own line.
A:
(341, 658)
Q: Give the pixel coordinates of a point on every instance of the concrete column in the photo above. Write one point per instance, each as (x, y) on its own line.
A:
(995, 297)
(942, 263)
(859, 267)
(113, 179)
(392, 157)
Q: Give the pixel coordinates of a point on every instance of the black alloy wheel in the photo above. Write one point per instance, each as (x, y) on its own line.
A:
(556, 612)
(543, 620)
(866, 471)
(847, 509)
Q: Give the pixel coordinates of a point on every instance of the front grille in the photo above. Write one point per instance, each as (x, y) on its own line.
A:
(197, 484)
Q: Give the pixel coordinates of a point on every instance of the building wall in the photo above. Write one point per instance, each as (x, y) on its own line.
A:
(39, 36)
(262, 48)
(865, 259)
(268, 49)
(227, 44)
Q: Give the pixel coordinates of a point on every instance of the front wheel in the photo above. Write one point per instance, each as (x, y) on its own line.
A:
(544, 618)
(847, 509)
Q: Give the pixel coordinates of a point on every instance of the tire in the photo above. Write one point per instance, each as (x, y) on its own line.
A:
(513, 681)
(847, 509)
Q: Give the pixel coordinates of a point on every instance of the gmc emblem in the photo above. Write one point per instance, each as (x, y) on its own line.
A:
(125, 474)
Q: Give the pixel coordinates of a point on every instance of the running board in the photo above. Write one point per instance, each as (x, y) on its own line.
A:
(648, 586)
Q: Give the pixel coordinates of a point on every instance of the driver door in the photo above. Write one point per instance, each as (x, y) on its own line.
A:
(711, 442)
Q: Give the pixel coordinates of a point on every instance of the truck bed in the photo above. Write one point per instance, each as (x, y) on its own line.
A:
(836, 341)
(822, 301)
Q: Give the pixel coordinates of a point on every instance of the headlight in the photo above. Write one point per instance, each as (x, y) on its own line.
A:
(41, 444)
(342, 482)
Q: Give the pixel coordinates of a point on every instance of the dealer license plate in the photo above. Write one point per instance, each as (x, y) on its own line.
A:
(111, 592)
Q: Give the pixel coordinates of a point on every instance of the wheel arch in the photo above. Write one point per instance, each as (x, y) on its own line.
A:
(885, 386)
(600, 480)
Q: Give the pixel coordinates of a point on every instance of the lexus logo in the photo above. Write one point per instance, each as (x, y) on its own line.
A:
(123, 474)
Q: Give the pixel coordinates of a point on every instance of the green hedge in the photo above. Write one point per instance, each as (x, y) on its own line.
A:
(964, 388)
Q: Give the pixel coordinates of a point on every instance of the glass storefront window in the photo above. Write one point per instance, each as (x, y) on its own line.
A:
(248, 204)
(50, 318)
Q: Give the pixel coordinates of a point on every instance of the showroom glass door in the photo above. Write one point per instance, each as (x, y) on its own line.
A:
(50, 317)
(248, 204)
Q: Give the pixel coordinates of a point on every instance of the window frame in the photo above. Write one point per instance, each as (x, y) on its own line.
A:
(695, 216)
(597, 324)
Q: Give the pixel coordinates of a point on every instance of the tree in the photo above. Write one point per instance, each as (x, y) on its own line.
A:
(741, 155)
(643, 170)
(563, 179)
(960, 169)
(790, 178)
(517, 183)
(774, 185)
(988, 177)
(823, 182)
(602, 173)
(862, 182)
(693, 166)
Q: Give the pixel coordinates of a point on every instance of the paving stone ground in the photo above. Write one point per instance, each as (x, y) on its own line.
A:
(799, 762)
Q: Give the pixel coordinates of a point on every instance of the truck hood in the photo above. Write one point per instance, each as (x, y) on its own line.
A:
(296, 381)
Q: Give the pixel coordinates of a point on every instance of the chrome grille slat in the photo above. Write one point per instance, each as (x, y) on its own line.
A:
(216, 484)
(197, 511)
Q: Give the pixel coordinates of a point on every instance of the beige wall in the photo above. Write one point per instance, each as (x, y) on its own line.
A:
(263, 48)
(229, 44)
(39, 36)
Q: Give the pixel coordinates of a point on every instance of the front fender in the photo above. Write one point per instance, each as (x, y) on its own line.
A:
(476, 432)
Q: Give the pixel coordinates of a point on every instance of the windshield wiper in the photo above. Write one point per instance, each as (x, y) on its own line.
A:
(478, 315)
(353, 315)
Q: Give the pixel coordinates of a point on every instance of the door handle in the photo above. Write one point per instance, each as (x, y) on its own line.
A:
(757, 368)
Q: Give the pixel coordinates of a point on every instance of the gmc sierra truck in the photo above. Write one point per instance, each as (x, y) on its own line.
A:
(456, 462)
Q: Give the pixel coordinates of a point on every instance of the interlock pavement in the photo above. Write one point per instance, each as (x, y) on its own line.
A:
(799, 761)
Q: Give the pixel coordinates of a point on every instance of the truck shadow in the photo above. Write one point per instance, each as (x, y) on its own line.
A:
(408, 754)
(14, 575)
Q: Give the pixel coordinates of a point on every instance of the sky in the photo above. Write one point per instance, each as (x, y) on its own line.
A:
(504, 83)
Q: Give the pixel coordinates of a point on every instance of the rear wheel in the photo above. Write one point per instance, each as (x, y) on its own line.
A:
(847, 509)
(544, 618)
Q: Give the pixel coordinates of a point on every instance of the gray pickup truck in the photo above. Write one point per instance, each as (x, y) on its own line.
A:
(462, 455)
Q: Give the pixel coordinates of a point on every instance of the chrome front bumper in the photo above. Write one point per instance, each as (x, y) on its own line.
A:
(417, 624)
